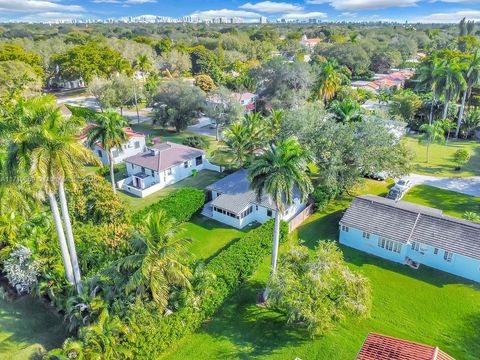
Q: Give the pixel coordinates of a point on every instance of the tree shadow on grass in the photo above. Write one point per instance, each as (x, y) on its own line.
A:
(25, 322)
(255, 331)
(468, 339)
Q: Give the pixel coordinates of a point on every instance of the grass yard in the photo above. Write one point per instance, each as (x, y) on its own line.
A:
(441, 157)
(422, 305)
(27, 326)
(204, 178)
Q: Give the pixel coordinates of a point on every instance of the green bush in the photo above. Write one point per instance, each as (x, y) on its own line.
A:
(155, 333)
(180, 205)
(196, 141)
(323, 195)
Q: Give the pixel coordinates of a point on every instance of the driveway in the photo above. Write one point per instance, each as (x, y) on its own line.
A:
(464, 185)
(203, 127)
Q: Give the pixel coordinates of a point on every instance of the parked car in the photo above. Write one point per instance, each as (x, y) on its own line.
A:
(394, 194)
(403, 184)
(380, 176)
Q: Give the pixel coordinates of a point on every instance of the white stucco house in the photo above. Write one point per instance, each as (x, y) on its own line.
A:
(309, 43)
(136, 144)
(232, 202)
(161, 165)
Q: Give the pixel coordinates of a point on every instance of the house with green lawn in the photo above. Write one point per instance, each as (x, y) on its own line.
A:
(412, 234)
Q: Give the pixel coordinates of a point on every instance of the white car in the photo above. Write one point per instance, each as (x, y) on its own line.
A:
(403, 185)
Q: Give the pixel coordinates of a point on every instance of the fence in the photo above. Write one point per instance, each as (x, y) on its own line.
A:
(300, 218)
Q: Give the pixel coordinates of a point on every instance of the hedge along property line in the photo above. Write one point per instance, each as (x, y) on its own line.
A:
(180, 205)
(156, 333)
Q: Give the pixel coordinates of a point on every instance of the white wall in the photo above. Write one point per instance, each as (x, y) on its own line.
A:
(126, 151)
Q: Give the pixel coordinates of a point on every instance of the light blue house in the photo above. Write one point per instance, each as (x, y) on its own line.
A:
(412, 234)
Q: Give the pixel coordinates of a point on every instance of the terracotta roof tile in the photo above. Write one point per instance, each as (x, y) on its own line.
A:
(381, 347)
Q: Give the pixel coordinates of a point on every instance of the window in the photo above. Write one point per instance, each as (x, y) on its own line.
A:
(246, 212)
(185, 164)
(142, 169)
(344, 228)
(269, 213)
(115, 153)
(366, 235)
(389, 245)
(99, 153)
(435, 251)
(198, 160)
(169, 171)
(415, 246)
(137, 144)
(256, 207)
(447, 256)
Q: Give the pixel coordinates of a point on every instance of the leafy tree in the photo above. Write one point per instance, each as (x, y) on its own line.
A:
(385, 59)
(224, 108)
(87, 61)
(17, 76)
(431, 133)
(116, 92)
(109, 131)
(427, 78)
(447, 126)
(405, 104)
(21, 270)
(461, 157)
(470, 123)
(204, 61)
(450, 81)
(143, 64)
(346, 110)
(196, 141)
(277, 173)
(238, 142)
(163, 46)
(205, 83)
(159, 262)
(13, 52)
(176, 63)
(350, 55)
(176, 103)
(318, 290)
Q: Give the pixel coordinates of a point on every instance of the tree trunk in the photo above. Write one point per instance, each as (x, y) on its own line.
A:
(121, 110)
(112, 173)
(276, 243)
(61, 238)
(216, 132)
(445, 109)
(460, 115)
(430, 119)
(70, 241)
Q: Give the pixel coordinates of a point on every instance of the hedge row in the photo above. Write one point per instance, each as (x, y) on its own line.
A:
(180, 205)
(156, 333)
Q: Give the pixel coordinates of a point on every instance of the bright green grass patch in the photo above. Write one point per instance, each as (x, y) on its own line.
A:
(452, 203)
(421, 305)
(441, 157)
(26, 327)
(202, 180)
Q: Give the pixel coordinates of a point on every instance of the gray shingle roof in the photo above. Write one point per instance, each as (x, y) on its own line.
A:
(167, 155)
(236, 193)
(403, 222)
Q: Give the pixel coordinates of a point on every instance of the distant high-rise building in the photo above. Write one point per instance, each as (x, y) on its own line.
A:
(263, 20)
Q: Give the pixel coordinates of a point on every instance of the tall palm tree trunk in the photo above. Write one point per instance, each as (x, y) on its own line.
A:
(276, 243)
(61, 238)
(445, 109)
(69, 232)
(460, 115)
(112, 173)
(430, 119)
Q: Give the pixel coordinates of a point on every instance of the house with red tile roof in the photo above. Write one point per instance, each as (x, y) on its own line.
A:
(136, 144)
(381, 347)
(310, 43)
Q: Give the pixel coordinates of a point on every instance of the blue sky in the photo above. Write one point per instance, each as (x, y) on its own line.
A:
(328, 10)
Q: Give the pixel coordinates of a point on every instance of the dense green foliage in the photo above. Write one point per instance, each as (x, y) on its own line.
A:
(180, 205)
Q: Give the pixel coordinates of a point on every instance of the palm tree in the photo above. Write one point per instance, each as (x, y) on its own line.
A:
(45, 146)
(449, 81)
(427, 79)
(329, 81)
(143, 63)
(472, 77)
(346, 111)
(158, 264)
(238, 142)
(274, 124)
(432, 133)
(108, 130)
(447, 126)
(277, 173)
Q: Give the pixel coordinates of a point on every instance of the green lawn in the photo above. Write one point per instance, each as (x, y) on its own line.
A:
(27, 326)
(441, 157)
(422, 305)
(452, 203)
(203, 179)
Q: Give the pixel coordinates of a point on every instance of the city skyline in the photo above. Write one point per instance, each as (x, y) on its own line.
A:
(427, 11)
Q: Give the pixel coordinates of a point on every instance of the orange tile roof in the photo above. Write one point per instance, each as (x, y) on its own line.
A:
(381, 347)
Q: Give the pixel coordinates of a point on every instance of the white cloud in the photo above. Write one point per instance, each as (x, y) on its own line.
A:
(272, 7)
(349, 14)
(451, 17)
(36, 5)
(106, 1)
(458, 1)
(135, 2)
(308, 15)
(365, 4)
(225, 13)
(50, 16)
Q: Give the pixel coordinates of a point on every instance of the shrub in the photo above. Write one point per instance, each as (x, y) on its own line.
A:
(196, 141)
(323, 195)
(461, 156)
(180, 205)
(21, 270)
(156, 333)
